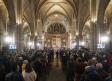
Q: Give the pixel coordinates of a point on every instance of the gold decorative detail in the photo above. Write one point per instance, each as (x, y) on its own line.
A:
(56, 28)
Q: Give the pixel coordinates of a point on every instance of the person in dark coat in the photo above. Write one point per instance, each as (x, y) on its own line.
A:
(2, 73)
(38, 66)
(20, 62)
(14, 75)
(87, 71)
(57, 53)
(105, 65)
(93, 75)
(100, 71)
(70, 71)
(109, 78)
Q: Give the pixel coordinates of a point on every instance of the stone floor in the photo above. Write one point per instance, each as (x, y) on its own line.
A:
(55, 71)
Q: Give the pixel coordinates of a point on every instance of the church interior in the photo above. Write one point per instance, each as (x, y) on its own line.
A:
(60, 24)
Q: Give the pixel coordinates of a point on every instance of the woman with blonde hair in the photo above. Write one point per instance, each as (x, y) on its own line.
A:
(87, 71)
(24, 64)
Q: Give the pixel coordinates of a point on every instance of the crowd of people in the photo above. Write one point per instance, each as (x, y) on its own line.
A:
(87, 66)
(26, 66)
(81, 65)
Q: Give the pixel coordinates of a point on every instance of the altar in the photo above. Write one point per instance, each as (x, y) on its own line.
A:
(56, 36)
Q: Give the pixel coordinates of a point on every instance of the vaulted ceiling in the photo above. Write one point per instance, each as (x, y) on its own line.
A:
(49, 7)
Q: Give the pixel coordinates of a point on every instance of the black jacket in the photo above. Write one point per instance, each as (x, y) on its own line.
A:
(102, 74)
(2, 76)
(92, 77)
(14, 76)
(84, 75)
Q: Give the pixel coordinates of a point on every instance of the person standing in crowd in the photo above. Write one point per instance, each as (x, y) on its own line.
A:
(57, 53)
(93, 75)
(79, 69)
(109, 78)
(38, 66)
(24, 64)
(2, 73)
(14, 75)
(109, 60)
(20, 62)
(87, 71)
(29, 74)
(100, 71)
(70, 69)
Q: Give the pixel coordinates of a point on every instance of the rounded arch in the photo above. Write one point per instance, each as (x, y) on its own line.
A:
(10, 8)
(101, 10)
(29, 17)
(38, 7)
(57, 12)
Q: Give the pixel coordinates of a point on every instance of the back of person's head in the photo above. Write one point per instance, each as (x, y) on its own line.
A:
(20, 58)
(29, 60)
(38, 59)
(100, 58)
(79, 59)
(87, 69)
(71, 57)
(93, 69)
(25, 61)
(12, 60)
(90, 62)
(94, 59)
(14, 66)
(28, 68)
(99, 66)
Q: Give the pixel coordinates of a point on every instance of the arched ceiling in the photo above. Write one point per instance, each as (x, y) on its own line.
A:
(46, 7)
(3, 11)
(109, 13)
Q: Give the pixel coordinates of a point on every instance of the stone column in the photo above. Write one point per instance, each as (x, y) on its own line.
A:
(35, 43)
(98, 36)
(32, 39)
(20, 25)
(28, 40)
(92, 37)
(77, 41)
(84, 40)
(92, 24)
(80, 40)
(20, 38)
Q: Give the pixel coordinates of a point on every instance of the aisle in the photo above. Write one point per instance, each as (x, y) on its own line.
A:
(55, 72)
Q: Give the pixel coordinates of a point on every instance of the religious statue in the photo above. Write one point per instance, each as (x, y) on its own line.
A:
(56, 28)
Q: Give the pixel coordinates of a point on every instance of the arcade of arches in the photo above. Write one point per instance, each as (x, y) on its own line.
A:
(56, 24)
